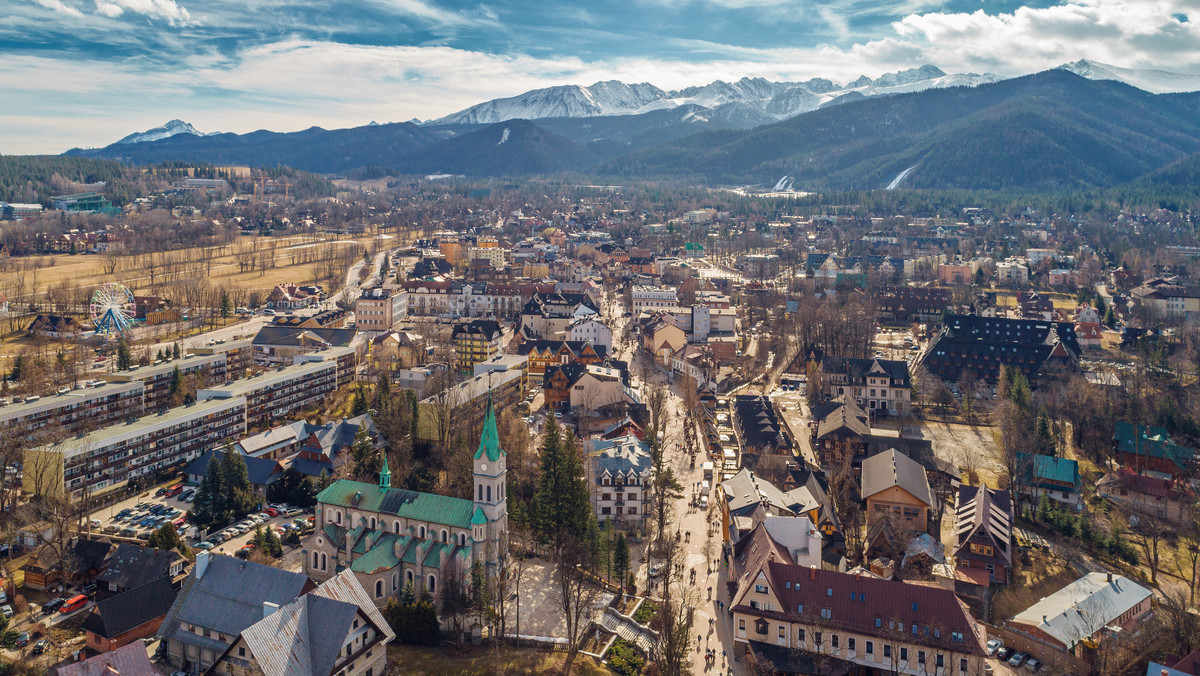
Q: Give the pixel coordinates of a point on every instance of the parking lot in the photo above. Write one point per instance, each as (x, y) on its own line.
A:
(139, 516)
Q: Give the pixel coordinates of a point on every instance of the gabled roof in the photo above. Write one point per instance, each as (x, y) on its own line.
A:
(1152, 442)
(1080, 609)
(856, 602)
(228, 596)
(261, 471)
(892, 468)
(984, 516)
(128, 660)
(291, 336)
(1050, 468)
(128, 610)
(439, 509)
(302, 637)
(134, 565)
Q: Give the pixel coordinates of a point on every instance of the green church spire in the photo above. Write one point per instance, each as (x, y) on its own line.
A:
(385, 474)
(489, 441)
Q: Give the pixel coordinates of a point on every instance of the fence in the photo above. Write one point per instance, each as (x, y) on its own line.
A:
(1054, 659)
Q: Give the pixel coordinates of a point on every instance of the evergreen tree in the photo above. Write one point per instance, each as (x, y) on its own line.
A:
(359, 405)
(17, 368)
(240, 495)
(364, 459)
(8, 635)
(166, 537)
(176, 383)
(124, 356)
(226, 305)
(620, 558)
(560, 505)
(175, 351)
(208, 507)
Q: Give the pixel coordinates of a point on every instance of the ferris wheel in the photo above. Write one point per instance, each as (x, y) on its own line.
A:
(112, 309)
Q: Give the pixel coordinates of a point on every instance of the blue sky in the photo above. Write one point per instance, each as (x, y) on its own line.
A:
(86, 72)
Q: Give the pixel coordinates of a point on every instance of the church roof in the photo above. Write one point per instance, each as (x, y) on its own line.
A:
(408, 504)
(479, 519)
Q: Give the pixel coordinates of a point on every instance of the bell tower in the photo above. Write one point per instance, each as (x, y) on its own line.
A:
(491, 488)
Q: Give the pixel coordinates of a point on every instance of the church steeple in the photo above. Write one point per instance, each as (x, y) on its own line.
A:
(489, 441)
(385, 475)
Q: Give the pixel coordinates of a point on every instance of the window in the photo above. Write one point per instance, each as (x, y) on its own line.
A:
(956, 636)
(741, 624)
(833, 640)
(850, 644)
(903, 653)
(887, 650)
(760, 588)
(962, 664)
(920, 657)
(941, 661)
(241, 651)
(782, 632)
(432, 584)
(870, 647)
(800, 609)
(878, 622)
(378, 588)
(800, 636)
(829, 592)
(826, 613)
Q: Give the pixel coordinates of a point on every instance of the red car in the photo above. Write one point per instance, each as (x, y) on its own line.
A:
(272, 512)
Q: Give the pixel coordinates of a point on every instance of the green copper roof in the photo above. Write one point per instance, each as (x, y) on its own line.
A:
(410, 551)
(385, 475)
(381, 557)
(433, 558)
(479, 519)
(427, 507)
(489, 441)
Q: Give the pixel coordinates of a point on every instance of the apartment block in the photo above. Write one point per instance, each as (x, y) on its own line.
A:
(207, 368)
(378, 308)
(239, 356)
(108, 458)
(277, 394)
(76, 411)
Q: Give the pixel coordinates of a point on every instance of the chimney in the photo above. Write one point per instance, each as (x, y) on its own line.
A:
(269, 608)
(201, 564)
(812, 574)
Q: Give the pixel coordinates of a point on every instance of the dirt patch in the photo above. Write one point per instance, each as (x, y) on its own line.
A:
(968, 447)
(1046, 575)
(485, 661)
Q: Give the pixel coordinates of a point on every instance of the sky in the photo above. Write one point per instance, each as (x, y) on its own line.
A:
(83, 73)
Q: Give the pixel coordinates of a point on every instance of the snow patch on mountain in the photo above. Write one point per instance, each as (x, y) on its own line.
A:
(746, 102)
(165, 131)
(504, 136)
(1155, 81)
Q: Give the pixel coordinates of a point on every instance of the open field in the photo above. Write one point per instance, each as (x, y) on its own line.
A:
(481, 662)
(290, 256)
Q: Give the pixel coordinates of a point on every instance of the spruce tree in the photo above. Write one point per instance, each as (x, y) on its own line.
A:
(226, 305)
(124, 356)
(175, 351)
(239, 491)
(620, 558)
(208, 507)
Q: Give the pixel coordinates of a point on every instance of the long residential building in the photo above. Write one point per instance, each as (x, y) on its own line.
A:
(277, 394)
(206, 368)
(79, 410)
(108, 458)
(797, 616)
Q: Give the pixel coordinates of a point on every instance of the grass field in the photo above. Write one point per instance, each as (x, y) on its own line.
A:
(135, 272)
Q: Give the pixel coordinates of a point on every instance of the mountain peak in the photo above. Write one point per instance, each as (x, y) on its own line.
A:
(1155, 81)
(167, 130)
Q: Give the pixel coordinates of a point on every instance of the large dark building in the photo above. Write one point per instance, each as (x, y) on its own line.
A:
(970, 347)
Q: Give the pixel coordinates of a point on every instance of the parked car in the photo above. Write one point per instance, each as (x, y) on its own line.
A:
(1018, 659)
(53, 605)
(204, 546)
(272, 512)
(40, 646)
(1004, 653)
(88, 589)
(1033, 664)
(994, 645)
(6, 610)
(22, 639)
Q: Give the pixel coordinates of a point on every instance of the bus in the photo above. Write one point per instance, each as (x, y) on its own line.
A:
(74, 603)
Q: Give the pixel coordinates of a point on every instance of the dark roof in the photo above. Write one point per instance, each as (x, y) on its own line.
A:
(970, 346)
(792, 661)
(134, 565)
(488, 328)
(118, 614)
(291, 336)
(575, 346)
(984, 516)
(261, 471)
(90, 554)
(572, 371)
(856, 370)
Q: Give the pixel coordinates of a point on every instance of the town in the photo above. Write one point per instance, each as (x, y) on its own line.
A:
(274, 425)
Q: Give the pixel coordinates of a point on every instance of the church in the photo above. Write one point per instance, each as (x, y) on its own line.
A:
(392, 536)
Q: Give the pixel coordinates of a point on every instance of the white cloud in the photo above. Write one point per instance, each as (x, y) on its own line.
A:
(296, 83)
(167, 10)
(60, 7)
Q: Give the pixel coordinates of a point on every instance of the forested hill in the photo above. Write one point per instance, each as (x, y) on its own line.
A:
(35, 178)
(1053, 130)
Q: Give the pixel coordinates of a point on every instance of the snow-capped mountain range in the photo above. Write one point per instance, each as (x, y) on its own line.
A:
(1155, 81)
(762, 100)
(166, 131)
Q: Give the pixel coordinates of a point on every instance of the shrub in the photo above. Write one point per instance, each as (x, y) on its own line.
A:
(624, 658)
